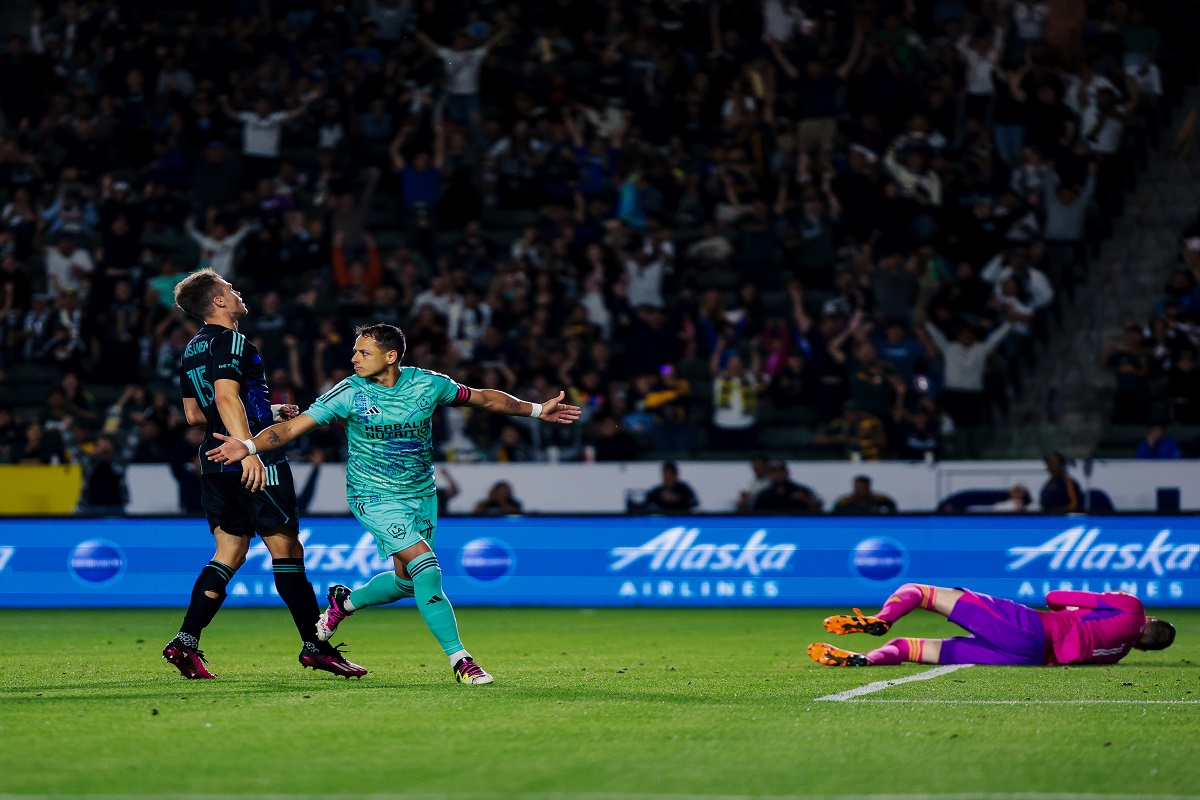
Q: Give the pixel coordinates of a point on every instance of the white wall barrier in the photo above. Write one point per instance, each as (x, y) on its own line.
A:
(603, 488)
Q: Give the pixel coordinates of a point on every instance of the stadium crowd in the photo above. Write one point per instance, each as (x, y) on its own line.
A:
(704, 220)
(1156, 379)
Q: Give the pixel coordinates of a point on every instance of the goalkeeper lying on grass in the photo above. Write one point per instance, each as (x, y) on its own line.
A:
(1079, 628)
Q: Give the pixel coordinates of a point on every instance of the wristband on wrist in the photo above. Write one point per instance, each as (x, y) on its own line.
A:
(536, 411)
(250, 445)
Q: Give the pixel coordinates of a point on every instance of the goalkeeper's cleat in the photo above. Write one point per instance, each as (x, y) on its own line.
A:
(188, 660)
(832, 656)
(857, 623)
(328, 622)
(329, 658)
(467, 671)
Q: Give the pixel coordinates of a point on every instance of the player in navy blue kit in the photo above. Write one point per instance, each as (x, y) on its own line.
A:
(224, 388)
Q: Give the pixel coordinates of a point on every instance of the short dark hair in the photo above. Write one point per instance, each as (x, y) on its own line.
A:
(389, 337)
(1158, 635)
(195, 293)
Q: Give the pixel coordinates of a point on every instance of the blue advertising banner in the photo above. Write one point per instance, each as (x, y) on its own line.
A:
(625, 561)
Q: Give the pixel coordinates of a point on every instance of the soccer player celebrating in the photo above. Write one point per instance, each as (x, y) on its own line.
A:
(386, 410)
(1079, 628)
(224, 388)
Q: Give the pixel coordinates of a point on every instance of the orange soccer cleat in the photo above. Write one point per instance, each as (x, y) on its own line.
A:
(856, 623)
(832, 656)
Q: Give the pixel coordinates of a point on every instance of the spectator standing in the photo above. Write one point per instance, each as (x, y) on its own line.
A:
(68, 267)
(421, 178)
(861, 435)
(963, 364)
(918, 437)
(668, 403)
(262, 132)
(735, 404)
(1060, 493)
(646, 266)
(219, 250)
(463, 64)
(1131, 363)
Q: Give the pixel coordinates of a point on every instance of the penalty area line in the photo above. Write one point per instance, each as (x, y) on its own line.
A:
(1090, 702)
(878, 686)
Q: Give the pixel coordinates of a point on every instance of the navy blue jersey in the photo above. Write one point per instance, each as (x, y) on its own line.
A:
(218, 353)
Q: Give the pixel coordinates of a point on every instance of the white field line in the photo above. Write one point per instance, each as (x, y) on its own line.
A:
(1092, 702)
(879, 686)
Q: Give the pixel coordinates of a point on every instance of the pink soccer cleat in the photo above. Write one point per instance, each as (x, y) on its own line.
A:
(327, 623)
(329, 658)
(187, 659)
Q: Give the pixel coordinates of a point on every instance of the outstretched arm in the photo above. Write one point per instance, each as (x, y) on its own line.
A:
(429, 43)
(497, 402)
(272, 438)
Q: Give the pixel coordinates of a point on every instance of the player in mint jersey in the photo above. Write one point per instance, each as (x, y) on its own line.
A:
(386, 410)
(1079, 628)
(224, 388)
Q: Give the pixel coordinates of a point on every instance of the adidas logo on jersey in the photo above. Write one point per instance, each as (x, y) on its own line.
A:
(372, 411)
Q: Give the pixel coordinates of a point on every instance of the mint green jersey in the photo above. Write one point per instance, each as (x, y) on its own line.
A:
(389, 431)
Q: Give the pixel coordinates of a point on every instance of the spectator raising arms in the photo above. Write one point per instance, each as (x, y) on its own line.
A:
(595, 201)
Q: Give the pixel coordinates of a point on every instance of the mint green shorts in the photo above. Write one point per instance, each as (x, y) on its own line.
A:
(397, 523)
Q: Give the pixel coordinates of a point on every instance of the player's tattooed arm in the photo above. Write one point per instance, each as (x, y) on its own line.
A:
(281, 433)
(553, 410)
(233, 450)
(499, 402)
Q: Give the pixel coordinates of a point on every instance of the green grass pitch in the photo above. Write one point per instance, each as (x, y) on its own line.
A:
(592, 703)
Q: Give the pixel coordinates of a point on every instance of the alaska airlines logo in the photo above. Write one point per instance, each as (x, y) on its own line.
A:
(1079, 549)
(676, 549)
(361, 557)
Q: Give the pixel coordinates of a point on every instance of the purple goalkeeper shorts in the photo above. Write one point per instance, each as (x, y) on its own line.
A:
(1003, 632)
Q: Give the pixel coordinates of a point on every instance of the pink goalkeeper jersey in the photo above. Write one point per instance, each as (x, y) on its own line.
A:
(1091, 627)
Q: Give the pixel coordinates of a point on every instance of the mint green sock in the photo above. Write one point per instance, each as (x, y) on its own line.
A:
(384, 588)
(426, 575)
